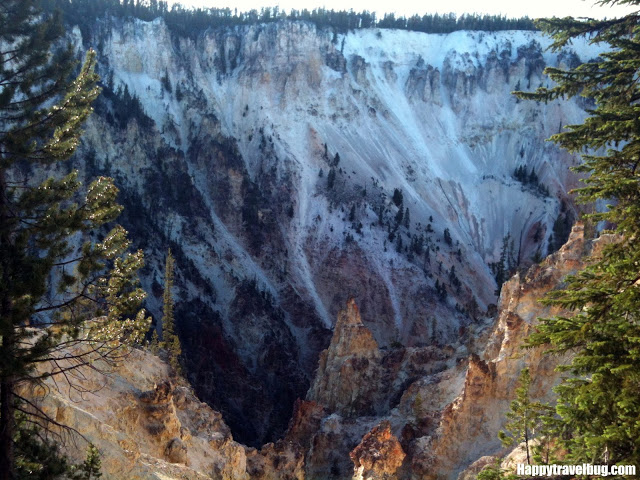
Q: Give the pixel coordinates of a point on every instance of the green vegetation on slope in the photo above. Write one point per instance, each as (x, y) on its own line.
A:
(193, 21)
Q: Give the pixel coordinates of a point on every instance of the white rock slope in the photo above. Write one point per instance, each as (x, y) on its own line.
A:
(267, 157)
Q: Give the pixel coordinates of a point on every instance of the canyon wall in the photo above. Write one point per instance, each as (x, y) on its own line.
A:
(372, 412)
(290, 169)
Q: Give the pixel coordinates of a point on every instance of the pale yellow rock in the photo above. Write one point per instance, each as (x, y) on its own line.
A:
(469, 425)
(142, 424)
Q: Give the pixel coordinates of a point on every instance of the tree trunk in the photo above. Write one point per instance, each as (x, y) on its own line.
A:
(6, 428)
(7, 345)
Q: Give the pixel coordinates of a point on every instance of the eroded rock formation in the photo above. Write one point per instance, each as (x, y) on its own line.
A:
(371, 413)
(348, 371)
(378, 456)
(443, 406)
(222, 145)
(147, 427)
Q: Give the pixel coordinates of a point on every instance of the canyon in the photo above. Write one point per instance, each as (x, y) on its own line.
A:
(372, 412)
(293, 170)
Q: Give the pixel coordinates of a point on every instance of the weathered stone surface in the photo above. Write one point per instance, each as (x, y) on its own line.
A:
(281, 460)
(305, 422)
(469, 425)
(143, 425)
(451, 403)
(471, 472)
(223, 166)
(378, 456)
(176, 451)
(358, 385)
(346, 379)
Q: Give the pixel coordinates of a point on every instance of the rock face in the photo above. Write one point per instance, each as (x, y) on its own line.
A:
(431, 411)
(378, 456)
(372, 412)
(267, 158)
(353, 355)
(469, 425)
(146, 427)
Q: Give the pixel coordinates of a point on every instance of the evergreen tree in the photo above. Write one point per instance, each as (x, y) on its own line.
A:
(192, 21)
(56, 296)
(154, 344)
(166, 82)
(170, 340)
(494, 472)
(397, 197)
(447, 237)
(524, 417)
(37, 458)
(503, 268)
(399, 217)
(331, 178)
(598, 405)
(90, 468)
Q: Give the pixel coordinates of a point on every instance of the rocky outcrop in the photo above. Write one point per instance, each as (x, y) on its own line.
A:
(305, 422)
(282, 460)
(146, 426)
(447, 405)
(328, 455)
(346, 379)
(424, 83)
(358, 397)
(159, 418)
(378, 456)
(355, 377)
(469, 425)
(379, 413)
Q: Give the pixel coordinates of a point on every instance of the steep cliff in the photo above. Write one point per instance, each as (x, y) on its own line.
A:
(371, 412)
(468, 428)
(147, 425)
(429, 412)
(289, 169)
(144, 425)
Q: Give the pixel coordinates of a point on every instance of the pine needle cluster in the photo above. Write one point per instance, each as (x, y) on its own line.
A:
(599, 401)
(69, 291)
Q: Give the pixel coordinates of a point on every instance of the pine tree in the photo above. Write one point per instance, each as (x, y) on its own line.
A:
(598, 405)
(493, 472)
(331, 178)
(397, 197)
(525, 416)
(37, 458)
(170, 340)
(447, 237)
(90, 468)
(352, 213)
(56, 295)
(154, 344)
